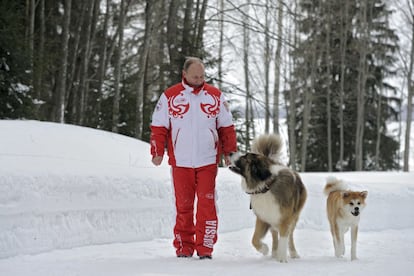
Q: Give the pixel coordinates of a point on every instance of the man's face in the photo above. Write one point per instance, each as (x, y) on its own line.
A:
(195, 74)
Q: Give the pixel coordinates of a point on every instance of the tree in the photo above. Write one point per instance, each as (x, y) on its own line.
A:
(15, 92)
(290, 95)
(144, 58)
(102, 43)
(118, 61)
(89, 34)
(332, 55)
(38, 62)
(344, 31)
(364, 29)
(59, 106)
(410, 96)
(246, 69)
(267, 58)
(278, 67)
(405, 8)
(221, 44)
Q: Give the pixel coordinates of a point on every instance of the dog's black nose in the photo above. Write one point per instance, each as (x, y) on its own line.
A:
(356, 209)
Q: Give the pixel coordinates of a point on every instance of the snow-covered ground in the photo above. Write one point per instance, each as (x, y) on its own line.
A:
(79, 201)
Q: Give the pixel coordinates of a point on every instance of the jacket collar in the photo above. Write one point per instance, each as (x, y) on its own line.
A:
(192, 88)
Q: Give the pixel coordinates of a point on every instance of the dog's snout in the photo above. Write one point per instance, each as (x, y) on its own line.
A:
(356, 209)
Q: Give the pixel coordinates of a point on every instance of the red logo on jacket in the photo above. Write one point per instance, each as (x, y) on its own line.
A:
(211, 109)
(177, 107)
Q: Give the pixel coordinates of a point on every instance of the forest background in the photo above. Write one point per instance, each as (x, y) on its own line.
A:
(335, 74)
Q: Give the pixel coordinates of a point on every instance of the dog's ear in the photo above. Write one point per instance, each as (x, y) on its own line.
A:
(345, 194)
(364, 194)
(260, 170)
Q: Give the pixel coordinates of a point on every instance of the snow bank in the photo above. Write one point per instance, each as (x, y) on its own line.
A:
(64, 186)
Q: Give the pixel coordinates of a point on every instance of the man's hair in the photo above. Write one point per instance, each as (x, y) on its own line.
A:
(191, 60)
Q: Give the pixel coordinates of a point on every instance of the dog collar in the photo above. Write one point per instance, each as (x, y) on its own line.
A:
(261, 191)
(265, 188)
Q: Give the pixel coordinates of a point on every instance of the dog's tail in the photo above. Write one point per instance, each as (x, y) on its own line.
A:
(333, 184)
(269, 145)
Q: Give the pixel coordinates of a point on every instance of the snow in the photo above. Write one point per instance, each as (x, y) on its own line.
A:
(81, 201)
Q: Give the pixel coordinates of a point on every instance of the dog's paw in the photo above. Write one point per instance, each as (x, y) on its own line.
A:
(294, 255)
(338, 254)
(280, 256)
(264, 249)
(281, 259)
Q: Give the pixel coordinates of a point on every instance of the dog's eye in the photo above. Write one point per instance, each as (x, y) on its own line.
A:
(359, 203)
(351, 203)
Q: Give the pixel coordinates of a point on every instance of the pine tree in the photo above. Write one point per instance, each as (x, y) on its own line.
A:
(15, 90)
(359, 30)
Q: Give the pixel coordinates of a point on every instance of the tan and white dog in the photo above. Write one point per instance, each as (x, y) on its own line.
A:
(277, 195)
(344, 209)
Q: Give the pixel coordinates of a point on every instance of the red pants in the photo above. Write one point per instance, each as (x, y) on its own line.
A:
(201, 235)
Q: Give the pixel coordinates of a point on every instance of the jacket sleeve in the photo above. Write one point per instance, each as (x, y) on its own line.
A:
(225, 118)
(158, 140)
(225, 128)
(228, 140)
(159, 127)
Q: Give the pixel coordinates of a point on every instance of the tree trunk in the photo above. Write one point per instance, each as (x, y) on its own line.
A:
(32, 31)
(173, 47)
(362, 76)
(343, 49)
(328, 85)
(187, 29)
(278, 64)
(72, 96)
(291, 110)
(141, 91)
(117, 72)
(379, 120)
(201, 22)
(267, 58)
(85, 63)
(90, 99)
(246, 53)
(221, 45)
(39, 60)
(410, 92)
(61, 92)
(102, 64)
(307, 106)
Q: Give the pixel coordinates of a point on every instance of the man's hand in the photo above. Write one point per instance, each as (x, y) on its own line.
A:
(157, 160)
(227, 160)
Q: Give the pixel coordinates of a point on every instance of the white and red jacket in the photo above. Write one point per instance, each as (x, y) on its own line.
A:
(194, 123)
